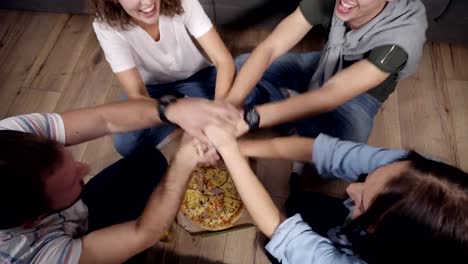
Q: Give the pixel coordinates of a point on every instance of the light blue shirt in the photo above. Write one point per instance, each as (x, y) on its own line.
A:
(294, 241)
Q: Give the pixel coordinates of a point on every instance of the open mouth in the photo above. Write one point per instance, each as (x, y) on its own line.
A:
(148, 10)
(345, 7)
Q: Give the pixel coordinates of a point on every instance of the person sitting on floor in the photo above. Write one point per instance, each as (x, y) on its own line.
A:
(50, 216)
(406, 209)
(372, 44)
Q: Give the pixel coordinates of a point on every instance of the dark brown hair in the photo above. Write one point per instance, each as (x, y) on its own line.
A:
(112, 13)
(24, 161)
(420, 217)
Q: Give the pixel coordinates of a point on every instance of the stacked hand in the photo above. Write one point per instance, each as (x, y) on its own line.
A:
(209, 125)
(194, 114)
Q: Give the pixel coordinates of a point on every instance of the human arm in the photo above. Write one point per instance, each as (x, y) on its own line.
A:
(287, 148)
(85, 124)
(117, 243)
(260, 206)
(218, 53)
(342, 87)
(191, 114)
(287, 34)
(132, 83)
(291, 240)
(339, 159)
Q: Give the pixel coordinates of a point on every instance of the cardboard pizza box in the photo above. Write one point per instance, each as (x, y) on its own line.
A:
(245, 221)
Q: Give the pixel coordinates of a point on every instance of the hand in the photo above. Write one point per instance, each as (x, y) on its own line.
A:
(220, 138)
(193, 152)
(241, 127)
(194, 114)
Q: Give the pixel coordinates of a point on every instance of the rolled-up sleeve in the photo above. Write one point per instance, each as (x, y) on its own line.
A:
(295, 242)
(337, 159)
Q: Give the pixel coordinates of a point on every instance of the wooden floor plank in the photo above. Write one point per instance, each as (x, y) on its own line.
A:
(426, 124)
(386, 131)
(12, 26)
(32, 101)
(54, 68)
(212, 248)
(454, 59)
(90, 81)
(16, 63)
(46, 50)
(240, 247)
(458, 93)
(187, 245)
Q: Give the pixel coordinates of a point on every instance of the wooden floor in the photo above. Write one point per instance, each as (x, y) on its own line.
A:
(53, 62)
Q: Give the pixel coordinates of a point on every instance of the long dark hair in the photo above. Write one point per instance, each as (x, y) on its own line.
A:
(112, 13)
(420, 217)
(25, 159)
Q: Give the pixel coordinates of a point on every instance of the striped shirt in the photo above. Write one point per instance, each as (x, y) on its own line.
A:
(56, 239)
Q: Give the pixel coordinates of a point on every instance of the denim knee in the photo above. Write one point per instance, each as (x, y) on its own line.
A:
(126, 143)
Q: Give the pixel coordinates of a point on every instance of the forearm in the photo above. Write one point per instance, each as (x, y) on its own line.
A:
(165, 201)
(250, 74)
(89, 123)
(254, 196)
(224, 78)
(297, 107)
(117, 243)
(287, 148)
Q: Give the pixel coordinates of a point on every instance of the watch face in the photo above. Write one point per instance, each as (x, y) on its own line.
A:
(252, 118)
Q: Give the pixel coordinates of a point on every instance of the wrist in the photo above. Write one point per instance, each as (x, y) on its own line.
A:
(166, 109)
(252, 119)
(228, 149)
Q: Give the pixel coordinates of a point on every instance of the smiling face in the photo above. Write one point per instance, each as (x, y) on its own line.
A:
(358, 12)
(63, 184)
(363, 193)
(142, 12)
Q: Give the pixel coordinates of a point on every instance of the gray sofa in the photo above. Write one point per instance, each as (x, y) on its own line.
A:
(448, 19)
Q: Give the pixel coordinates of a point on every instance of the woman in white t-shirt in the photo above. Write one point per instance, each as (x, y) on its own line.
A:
(149, 46)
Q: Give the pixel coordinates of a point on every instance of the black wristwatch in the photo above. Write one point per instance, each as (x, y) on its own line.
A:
(252, 118)
(164, 102)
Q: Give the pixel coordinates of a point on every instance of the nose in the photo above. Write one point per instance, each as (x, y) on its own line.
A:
(354, 190)
(82, 169)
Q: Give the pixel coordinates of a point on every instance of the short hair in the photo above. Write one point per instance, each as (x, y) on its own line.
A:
(112, 13)
(25, 159)
(421, 216)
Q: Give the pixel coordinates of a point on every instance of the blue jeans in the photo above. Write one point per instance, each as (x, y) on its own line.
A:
(351, 121)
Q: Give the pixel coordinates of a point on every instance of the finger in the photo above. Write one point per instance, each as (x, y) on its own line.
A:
(199, 149)
(198, 134)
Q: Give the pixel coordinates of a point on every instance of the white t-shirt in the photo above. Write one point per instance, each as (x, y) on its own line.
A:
(56, 239)
(174, 57)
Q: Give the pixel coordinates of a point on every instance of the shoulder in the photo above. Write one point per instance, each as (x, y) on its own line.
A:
(51, 241)
(389, 58)
(41, 124)
(318, 12)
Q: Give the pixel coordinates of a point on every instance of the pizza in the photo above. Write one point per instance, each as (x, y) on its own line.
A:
(211, 201)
